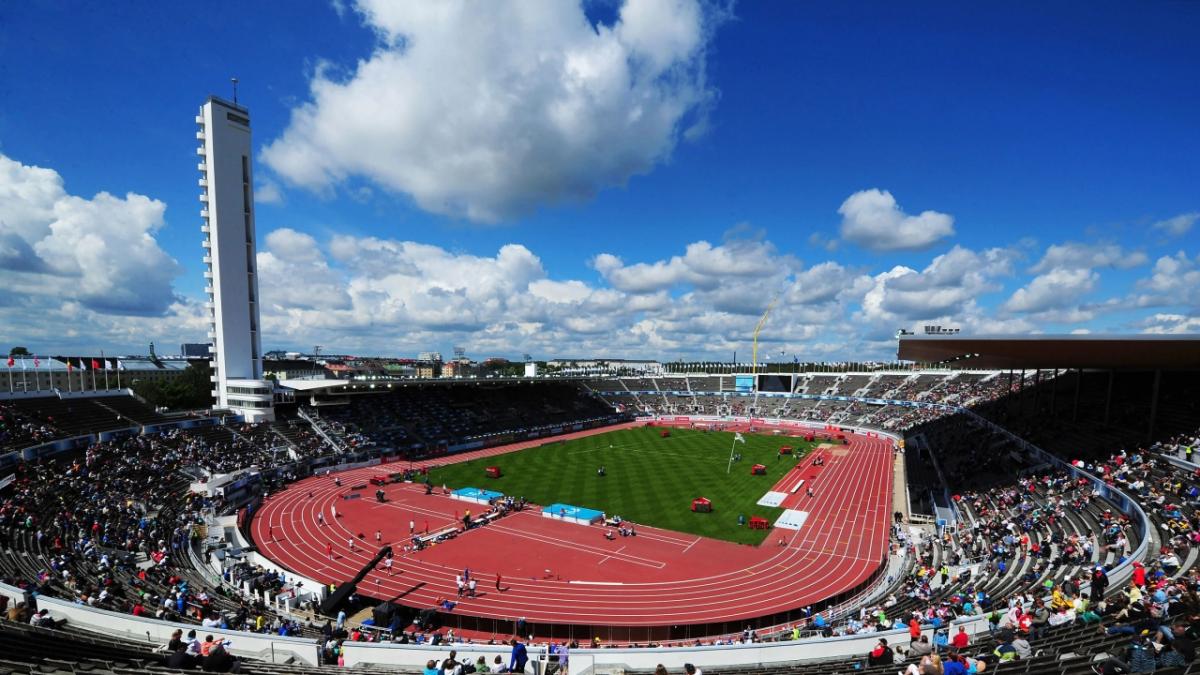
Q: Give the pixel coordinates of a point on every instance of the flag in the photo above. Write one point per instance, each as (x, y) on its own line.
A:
(738, 437)
(95, 364)
(69, 366)
(37, 363)
(11, 361)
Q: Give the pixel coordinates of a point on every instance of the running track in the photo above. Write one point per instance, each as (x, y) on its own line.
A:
(562, 573)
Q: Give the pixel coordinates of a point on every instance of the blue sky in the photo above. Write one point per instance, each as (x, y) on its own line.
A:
(611, 179)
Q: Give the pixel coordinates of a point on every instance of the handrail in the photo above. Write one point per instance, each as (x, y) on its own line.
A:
(302, 414)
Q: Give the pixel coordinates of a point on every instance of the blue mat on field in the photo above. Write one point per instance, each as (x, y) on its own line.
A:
(476, 493)
(568, 511)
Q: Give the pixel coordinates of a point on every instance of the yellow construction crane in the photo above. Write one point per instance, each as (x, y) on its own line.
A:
(761, 322)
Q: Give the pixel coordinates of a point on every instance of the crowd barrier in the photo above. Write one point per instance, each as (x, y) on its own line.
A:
(155, 633)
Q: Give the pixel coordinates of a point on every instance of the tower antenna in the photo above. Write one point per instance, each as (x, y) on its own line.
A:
(234, 80)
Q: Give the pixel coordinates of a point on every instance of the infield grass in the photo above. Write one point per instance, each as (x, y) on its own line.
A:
(650, 480)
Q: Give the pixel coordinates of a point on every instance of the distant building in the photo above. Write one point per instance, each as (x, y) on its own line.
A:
(293, 369)
(339, 370)
(429, 369)
(227, 207)
(194, 350)
(531, 369)
(605, 365)
(33, 374)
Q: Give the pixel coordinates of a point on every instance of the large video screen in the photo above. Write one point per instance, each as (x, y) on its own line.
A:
(780, 383)
(743, 384)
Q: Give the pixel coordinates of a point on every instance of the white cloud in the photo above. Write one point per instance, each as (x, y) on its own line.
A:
(1057, 289)
(1179, 225)
(293, 274)
(948, 286)
(1171, 324)
(267, 192)
(825, 282)
(873, 220)
(702, 265)
(487, 110)
(1075, 255)
(100, 251)
(1174, 280)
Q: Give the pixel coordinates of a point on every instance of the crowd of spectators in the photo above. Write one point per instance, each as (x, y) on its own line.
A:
(427, 418)
(18, 430)
(111, 527)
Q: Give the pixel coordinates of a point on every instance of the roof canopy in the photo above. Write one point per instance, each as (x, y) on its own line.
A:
(1100, 352)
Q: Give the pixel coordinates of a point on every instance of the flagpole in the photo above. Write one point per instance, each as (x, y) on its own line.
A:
(729, 464)
(70, 387)
(105, 362)
(93, 374)
(24, 382)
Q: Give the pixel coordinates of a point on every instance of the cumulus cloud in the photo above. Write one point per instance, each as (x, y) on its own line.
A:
(948, 286)
(1179, 225)
(873, 220)
(702, 265)
(487, 110)
(267, 192)
(56, 326)
(100, 251)
(293, 274)
(1057, 289)
(1171, 324)
(1174, 280)
(1075, 255)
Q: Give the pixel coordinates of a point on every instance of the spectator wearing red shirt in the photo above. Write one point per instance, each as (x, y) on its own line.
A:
(961, 639)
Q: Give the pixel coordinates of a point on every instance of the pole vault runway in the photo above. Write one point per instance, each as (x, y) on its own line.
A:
(561, 573)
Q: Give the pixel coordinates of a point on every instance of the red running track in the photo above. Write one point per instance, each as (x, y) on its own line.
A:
(561, 573)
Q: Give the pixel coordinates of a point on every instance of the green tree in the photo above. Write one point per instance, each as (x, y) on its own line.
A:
(18, 351)
(191, 390)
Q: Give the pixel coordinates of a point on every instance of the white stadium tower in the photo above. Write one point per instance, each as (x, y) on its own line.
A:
(227, 195)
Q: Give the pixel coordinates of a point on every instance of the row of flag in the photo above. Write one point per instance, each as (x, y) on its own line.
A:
(101, 364)
(97, 364)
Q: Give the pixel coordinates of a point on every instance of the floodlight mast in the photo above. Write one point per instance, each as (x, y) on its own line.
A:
(757, 329)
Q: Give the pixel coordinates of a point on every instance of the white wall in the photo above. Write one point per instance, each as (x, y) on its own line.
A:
(264, 647)
(815, 649)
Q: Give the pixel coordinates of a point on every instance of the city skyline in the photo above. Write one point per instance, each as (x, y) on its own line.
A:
(635, 179)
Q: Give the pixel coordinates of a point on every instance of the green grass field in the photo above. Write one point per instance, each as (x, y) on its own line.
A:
(650, 481)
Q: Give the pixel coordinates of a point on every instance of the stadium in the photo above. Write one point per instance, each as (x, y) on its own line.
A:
(882, 495)
(1012, 489)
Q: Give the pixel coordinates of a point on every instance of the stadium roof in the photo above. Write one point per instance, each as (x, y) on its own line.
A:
(1102, 352)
